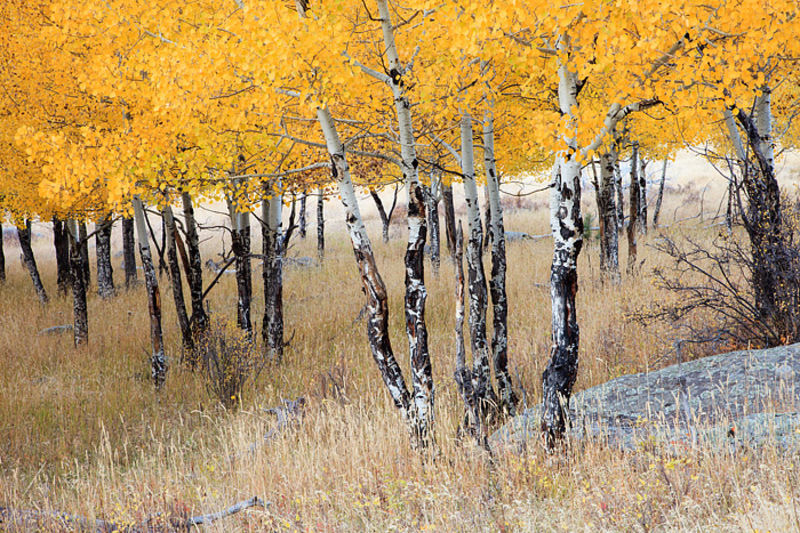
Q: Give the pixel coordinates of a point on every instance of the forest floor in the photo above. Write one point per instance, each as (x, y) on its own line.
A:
(83, 430)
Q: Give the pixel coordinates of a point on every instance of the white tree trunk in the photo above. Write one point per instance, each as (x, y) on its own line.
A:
(567, 227)
(374, 288)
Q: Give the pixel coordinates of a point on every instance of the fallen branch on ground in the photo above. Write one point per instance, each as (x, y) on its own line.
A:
(28, 518)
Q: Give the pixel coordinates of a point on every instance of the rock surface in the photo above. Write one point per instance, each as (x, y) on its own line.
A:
(743, 397)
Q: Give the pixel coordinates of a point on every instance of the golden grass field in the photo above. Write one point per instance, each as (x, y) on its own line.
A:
(83, 431)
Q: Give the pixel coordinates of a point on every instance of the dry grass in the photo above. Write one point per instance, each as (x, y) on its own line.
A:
(83, 431)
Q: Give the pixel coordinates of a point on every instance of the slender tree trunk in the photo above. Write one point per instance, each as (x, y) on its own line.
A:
(24, 235)
(105, 272)
(660, 197)
(567, 228)
(129, 252)
(199, 319)
(416, 292)
(2, 256)
(321, 225)
(87, 271)
(642, 195)
(433, 223)
(449, 219)
(240, 245)
(385, 221)
(301, 218)
(635, 209)
(463, 375)
(61, 243)
(374, 288)
(80, 328)
(620, 193)
(158, 360)
(177, 283)
(478, 297)
(497, 282)
(773, 284)
(272, 237)
(607, 215)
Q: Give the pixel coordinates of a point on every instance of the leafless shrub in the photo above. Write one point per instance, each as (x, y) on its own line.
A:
(715, 288)
(230, 361)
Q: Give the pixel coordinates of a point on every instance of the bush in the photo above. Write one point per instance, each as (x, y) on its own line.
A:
(230, 361)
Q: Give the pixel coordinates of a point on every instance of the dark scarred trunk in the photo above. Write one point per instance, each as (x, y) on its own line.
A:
(272, 272)
(633, 218)
(129, 252)
(158, 360)
(177, 283)
(607, 216)
(105, 272)
(321, 225)
(240, 245)
(497, 282)
(61, 242)
(566, 225)
(199, 318)
(24, 235)
(774, 284)
(562, 369)
(87, 271)
(80, 327)
(642, 195)
(476, 276)
(449, 218)
(371, 280)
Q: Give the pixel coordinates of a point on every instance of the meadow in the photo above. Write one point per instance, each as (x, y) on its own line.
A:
(84, 431)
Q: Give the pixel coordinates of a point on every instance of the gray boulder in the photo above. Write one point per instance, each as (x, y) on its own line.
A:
(735, 398)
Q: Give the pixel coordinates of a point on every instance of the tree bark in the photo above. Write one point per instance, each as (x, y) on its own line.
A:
(607, 216)
(385, 219)
(240, 246)
(773, 284)
(373, 285)
(449, 219)
(301, 217)
(635, 209)
(620, 193)
(177, 283)
(158, 360)
(321, 225)
(80, 328)
(478, 297)
(567, 228)
(105, 272)
(24, 235)
(642, 195)
(463, 375)
(199, 320)
(660, 197)
(61, 242)
(272, 272)
(432, 201)
(129, 252)
(497, 282)
(2, 256)
(416, 292)
(87, 271)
